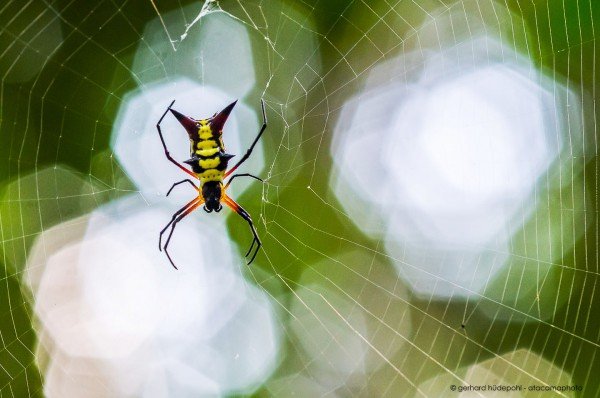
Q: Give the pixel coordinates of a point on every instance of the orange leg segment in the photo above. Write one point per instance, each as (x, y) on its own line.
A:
(244, 214)
(178, 216)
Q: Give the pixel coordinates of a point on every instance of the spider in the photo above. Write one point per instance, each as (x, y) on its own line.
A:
(209, 163)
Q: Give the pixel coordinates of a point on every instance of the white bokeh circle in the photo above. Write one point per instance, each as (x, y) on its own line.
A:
(137, 145)
(442, 163)
(112, 299)
(217, 49)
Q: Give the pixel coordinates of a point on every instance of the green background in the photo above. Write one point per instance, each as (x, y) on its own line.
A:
(64, 116)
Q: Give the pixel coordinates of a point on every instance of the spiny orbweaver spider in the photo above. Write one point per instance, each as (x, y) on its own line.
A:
(209, 163)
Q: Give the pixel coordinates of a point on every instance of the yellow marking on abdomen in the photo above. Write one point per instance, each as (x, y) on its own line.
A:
(205, 132)
(211, 175)
(210, 163)
(207, 144)
(207, 152)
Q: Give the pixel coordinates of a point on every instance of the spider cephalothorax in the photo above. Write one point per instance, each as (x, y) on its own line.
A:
(212, 192)
(209, 162)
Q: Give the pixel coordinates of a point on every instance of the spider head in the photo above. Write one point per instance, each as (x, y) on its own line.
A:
(211, 192)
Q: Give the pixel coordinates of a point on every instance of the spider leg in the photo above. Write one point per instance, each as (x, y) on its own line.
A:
(174, 224)
(249, 151)
(242, 175)
(240, 210)
(162, 140)
(181, 182)
(178, 212)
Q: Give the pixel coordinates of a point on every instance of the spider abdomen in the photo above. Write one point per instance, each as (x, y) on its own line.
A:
(209, 160)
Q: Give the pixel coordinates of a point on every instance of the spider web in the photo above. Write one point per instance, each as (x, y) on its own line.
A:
(429, 210)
